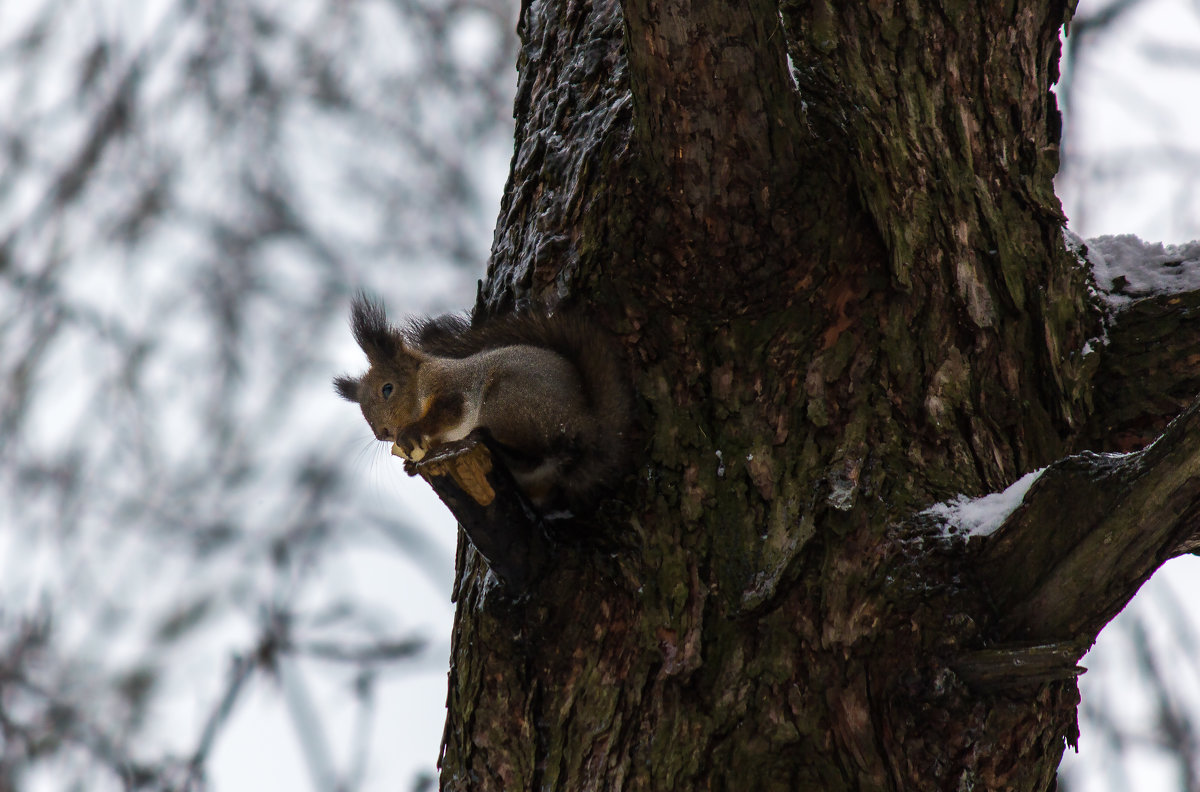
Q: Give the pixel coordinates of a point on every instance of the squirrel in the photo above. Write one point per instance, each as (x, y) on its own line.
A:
(550, 390)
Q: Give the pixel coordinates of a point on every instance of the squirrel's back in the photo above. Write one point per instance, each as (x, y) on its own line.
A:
(598, 458)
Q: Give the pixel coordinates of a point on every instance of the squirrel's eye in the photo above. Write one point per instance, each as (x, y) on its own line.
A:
(387, 390)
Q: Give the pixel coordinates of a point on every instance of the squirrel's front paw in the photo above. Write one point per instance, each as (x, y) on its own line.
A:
(410, 464)
(410, 447)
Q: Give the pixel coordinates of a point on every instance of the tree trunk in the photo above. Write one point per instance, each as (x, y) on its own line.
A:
(844, 293)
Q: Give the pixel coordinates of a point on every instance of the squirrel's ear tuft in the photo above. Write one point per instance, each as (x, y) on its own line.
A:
(371, 329)
(347, 387)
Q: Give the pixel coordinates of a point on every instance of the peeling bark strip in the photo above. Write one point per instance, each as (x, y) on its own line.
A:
(845, 297)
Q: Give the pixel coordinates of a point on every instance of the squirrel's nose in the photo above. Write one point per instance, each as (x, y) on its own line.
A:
(383, 434)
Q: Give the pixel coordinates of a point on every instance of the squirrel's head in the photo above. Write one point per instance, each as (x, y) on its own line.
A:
(386, 392)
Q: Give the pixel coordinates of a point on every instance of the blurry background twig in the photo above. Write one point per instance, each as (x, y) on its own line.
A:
(209, 577)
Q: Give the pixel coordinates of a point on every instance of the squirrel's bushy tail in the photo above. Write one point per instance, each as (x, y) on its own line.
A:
(605, 380)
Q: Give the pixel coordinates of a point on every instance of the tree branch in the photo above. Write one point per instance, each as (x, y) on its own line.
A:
(1091, 530)
(1147, 374)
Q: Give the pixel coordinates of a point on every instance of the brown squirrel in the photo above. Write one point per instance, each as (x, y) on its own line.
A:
(550, 390)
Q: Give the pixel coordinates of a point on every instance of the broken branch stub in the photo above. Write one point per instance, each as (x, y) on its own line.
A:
(489, 507)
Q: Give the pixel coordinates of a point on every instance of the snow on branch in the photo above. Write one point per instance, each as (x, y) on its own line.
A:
(1127, 268)
(978, 517)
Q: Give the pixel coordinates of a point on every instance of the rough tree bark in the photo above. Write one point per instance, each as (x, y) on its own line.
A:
(827, 235)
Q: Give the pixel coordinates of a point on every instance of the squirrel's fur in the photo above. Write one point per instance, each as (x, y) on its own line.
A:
(550, 390)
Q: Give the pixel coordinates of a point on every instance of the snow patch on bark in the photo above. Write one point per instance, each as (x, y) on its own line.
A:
(1127, 268)
(967, 517)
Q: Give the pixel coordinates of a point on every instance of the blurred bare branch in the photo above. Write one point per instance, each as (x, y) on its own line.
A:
(189, 193)
(1130, 152)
